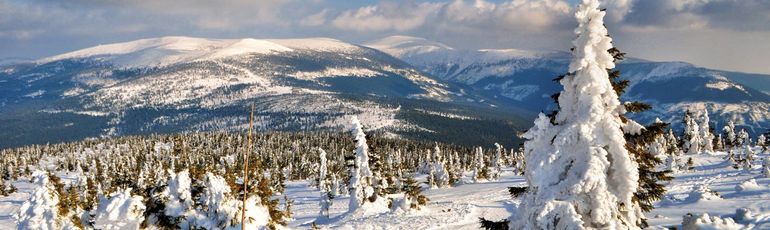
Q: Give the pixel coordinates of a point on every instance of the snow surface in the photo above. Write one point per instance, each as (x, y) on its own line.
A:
(460, 206)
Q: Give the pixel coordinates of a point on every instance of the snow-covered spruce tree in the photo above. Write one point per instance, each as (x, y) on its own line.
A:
(439, 169)
(6, 188)
(497, 161)
(217, 208)
(413, 194)
(120, 211)
(579, 172)
(762, 142)
(179, 203)
(707, 141)
(743, 138)
(360, 180)
(480, 169)
(326, 196)
(719, 144)
(730, 137)
(40, 211)
(323, 183)
(692, 135)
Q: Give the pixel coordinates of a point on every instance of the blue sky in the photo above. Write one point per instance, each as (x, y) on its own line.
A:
(723, 34)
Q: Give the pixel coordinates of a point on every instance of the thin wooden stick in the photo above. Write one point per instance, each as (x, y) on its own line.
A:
(246, 171)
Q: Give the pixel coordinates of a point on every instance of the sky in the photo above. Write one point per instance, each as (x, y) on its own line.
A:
(721, 34)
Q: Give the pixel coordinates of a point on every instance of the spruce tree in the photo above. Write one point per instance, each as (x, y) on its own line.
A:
(584, 175)
(707, 137)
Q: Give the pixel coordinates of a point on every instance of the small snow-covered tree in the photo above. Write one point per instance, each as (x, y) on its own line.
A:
(579, 172)
(707, 141)
(743, 138)
(729, 133)
(360, 181)
(480, 168)
(692, 135)
(322, 168)
(673, 143)
(762, 142)
(120, 211)
(719, 143)
(496, 162)
(440, 172)
(40, 210)
(179, 204)
(414, 198)
(748, 157)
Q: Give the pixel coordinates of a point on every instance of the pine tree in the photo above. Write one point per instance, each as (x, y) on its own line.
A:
(584, 175)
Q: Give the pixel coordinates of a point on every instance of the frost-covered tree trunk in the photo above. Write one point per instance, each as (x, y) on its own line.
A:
(360, 180)
(580, 174)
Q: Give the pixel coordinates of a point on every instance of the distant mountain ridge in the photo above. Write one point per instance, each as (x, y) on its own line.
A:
(525, 79)
(399, 86)
(177, 84)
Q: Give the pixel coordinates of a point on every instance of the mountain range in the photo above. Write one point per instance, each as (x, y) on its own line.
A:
(398, 86)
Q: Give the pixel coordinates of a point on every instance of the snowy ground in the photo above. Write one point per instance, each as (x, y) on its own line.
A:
(461, 206)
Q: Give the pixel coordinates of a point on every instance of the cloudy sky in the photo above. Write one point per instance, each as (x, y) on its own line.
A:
(722, 34)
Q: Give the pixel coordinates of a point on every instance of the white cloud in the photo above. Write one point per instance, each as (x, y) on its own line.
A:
(387, 16)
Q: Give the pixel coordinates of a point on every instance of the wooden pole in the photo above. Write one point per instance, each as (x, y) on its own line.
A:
(246, 171)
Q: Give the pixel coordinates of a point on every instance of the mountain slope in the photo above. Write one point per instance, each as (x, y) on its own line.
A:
(174, 84)
(524, 79)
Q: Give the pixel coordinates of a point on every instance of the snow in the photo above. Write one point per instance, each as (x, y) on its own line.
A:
(723, 85)
(35, 94)
(120, 211)
(460, 206)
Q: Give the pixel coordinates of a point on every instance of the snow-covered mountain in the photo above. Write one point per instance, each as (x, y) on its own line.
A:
(525, 79)
(172, 84)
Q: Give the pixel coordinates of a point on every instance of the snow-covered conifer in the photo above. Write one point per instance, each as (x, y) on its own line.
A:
(360, 181)
(730, 136)
(692, 135)
(496, 162)
(440, 172)
(40, 210)
(707, 141)
(322, 168)
(762, 142)
(180, 204)
(120, 211)
(579, 172)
